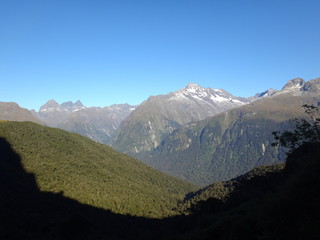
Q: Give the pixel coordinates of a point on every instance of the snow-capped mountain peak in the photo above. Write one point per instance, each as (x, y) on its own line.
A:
(195, 92)
(192, 88)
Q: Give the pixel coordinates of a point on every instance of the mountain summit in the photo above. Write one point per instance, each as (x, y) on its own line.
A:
(298, 86)
(160, 115)
(195, 92)
(52, 105)
(294, 87)
(53, 113)
(296, 83)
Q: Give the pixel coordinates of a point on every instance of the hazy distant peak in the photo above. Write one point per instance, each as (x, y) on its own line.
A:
(193, 86)
(78, 104)
(70, 104)
(50, 104)
(312, 85)
(67, 104)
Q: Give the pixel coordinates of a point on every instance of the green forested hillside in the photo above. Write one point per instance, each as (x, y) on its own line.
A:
(228, 144)
(267, 203)
(90, 172)
(263, 176)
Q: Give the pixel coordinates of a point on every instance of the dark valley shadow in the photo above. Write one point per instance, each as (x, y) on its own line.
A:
(275, 206)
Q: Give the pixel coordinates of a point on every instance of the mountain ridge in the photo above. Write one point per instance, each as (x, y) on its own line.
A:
(160, 115)
(13, 112)
(232, 142)
(97, 123)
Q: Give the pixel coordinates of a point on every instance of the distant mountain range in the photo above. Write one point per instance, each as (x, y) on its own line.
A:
(198, 134)
(96, 123)
(162, 113)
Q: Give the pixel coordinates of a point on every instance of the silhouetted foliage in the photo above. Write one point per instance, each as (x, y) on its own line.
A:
(306, 130)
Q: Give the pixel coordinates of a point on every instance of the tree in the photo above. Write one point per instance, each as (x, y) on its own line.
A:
(305, 130)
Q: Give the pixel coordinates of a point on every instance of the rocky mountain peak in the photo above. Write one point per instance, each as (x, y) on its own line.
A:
(70, 104)
(50, 104)
(295, 83)
(312, 85)
(67, 104)
(78, 104)
(266, 93)
(192, 87)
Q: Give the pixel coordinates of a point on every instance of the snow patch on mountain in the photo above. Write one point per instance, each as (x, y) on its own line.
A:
(194, 92)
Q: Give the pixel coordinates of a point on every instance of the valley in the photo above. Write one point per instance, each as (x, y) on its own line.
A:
(279, 201)
(196, 163)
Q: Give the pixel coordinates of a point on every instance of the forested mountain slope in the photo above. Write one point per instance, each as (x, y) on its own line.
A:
(90, 172)
(229, 144)
(267, 203)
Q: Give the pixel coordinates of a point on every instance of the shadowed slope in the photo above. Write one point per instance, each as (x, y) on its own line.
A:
(92, 173)
(263, 204)
(285, 209)
(27, 213)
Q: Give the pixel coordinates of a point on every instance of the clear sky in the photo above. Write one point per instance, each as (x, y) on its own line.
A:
(122, 51)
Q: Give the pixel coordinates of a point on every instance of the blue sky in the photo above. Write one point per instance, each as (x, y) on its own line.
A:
(106, 52)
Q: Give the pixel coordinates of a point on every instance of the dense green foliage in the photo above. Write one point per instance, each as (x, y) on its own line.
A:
(267, 203)
(222, 191)
(92, 173)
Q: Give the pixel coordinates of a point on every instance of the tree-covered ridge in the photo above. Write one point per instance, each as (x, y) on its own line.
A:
(273, 202)
(305, 130)
(92, 173)
(268, 203)
(223, 191)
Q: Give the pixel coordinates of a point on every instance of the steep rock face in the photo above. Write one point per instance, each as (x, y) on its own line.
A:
(160, 115)
(233, 142)
(97, 123)
(13, 112)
